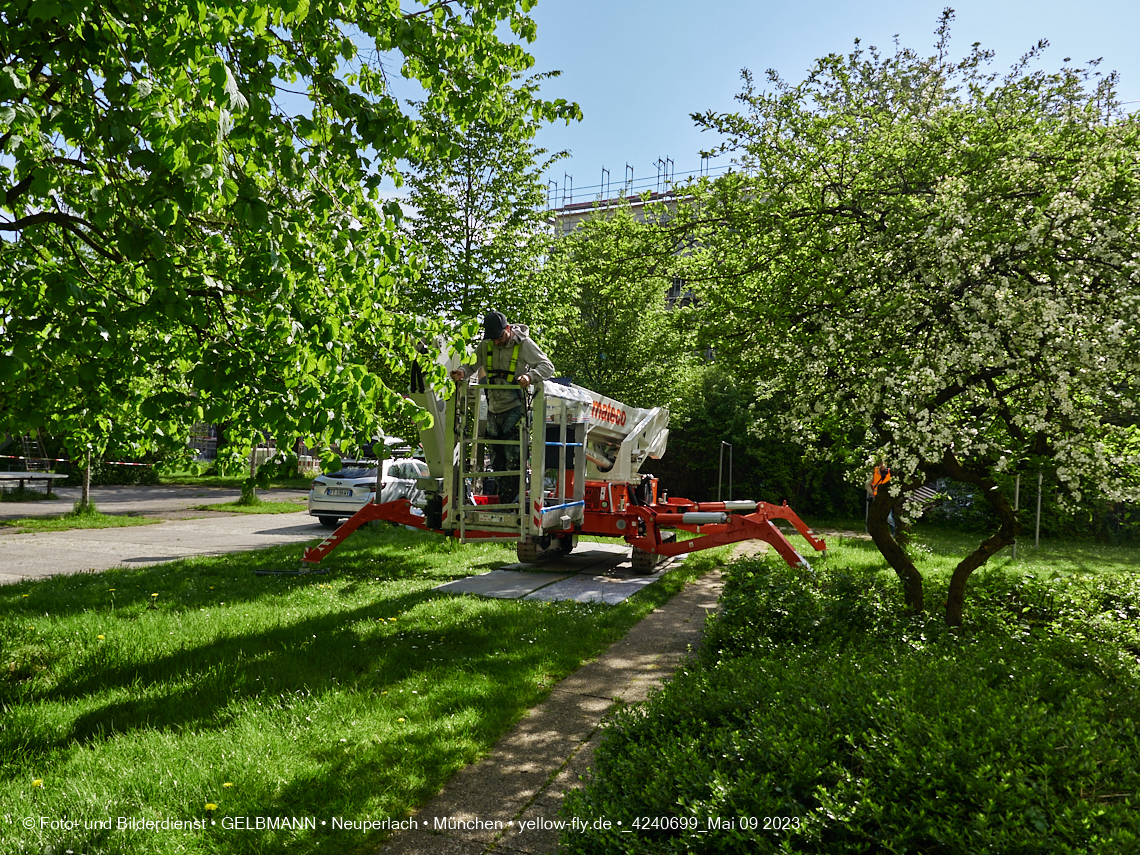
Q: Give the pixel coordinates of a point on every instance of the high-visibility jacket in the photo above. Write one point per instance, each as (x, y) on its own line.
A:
(504, 365)
(504, 375)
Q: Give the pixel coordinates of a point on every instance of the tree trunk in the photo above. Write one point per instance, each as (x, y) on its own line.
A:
(249, 488)
(221, 429)
(902, 528)
(85, 496)
(380, 450)
(1007, 532)
(895, 555)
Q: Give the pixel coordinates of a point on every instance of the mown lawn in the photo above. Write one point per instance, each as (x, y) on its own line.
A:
(936, 551)
(69, 521)
(151, 694)
(287, 507)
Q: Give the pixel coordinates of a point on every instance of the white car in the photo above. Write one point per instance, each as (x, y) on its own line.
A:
(341, 494)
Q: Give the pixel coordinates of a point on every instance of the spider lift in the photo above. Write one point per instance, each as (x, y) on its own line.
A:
(580, 456)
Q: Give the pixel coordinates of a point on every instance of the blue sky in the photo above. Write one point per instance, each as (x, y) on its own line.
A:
(638, 68)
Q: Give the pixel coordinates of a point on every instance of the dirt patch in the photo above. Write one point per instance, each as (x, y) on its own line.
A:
(844, 533)
(748, 548)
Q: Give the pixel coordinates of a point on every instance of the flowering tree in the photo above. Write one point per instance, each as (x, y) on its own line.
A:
(941, 266)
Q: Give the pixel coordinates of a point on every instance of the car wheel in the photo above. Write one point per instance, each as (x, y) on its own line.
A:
(329, 522)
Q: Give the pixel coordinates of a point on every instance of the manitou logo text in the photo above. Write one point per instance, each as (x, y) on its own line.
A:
(605, 413)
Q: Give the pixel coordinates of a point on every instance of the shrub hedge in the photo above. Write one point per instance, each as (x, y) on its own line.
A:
(820, 719)
(104, 473)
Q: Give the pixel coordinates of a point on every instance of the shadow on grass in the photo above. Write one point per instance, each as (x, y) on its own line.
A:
(478, 665)
(355, 647)
(204, 581)
(318, 653)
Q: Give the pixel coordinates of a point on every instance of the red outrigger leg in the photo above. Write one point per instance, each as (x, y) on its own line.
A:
(398, 511)
(736, 528)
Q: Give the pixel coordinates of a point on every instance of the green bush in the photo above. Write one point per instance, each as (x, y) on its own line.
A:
(767, 605)
(103, 474)
(816, 708)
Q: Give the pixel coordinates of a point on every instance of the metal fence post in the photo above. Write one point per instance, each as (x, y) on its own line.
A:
(720, 470)
(1037, 532)
(1016, 504)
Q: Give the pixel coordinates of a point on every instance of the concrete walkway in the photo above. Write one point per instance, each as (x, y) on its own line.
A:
(186, 532)
(594, 573)
(521, 783)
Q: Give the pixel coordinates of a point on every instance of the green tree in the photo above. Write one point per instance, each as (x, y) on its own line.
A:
(610, 321)
(174, 217)
(723, 407)
(936, 265)
(477, 195)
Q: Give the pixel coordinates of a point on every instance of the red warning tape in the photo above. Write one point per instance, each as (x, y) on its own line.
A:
(65, 460)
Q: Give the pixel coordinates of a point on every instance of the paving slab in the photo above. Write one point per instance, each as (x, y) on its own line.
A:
(609, 583)
(502, 584)
(585, 588)
(589, 558)
(510, 801)
(599, 573)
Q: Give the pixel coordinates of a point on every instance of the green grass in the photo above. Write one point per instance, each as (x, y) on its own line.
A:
(66, 522)
(188, 479)
(1052, 556)
(148, 693)
(937, 551)
(290, 507)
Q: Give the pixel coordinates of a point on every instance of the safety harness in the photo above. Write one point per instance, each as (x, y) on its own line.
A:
(506, 376)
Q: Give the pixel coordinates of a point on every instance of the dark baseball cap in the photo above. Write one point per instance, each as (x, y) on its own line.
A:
(494, 324)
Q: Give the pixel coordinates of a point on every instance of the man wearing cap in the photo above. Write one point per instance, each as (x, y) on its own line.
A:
(511, 361)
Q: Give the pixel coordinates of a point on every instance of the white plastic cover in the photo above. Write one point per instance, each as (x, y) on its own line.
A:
(578, 403)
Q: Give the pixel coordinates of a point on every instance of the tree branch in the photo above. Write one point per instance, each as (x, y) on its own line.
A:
(1006, 534)
(65, 221)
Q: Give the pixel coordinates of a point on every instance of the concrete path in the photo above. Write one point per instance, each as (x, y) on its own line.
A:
(191, 532)
(509, 802)
(160, 502)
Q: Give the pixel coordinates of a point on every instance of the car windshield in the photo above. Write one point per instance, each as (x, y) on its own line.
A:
(346, 474)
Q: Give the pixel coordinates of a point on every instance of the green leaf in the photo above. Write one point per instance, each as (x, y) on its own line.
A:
(44, 10)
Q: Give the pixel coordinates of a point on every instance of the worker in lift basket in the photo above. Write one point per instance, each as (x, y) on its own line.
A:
(511, 361)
